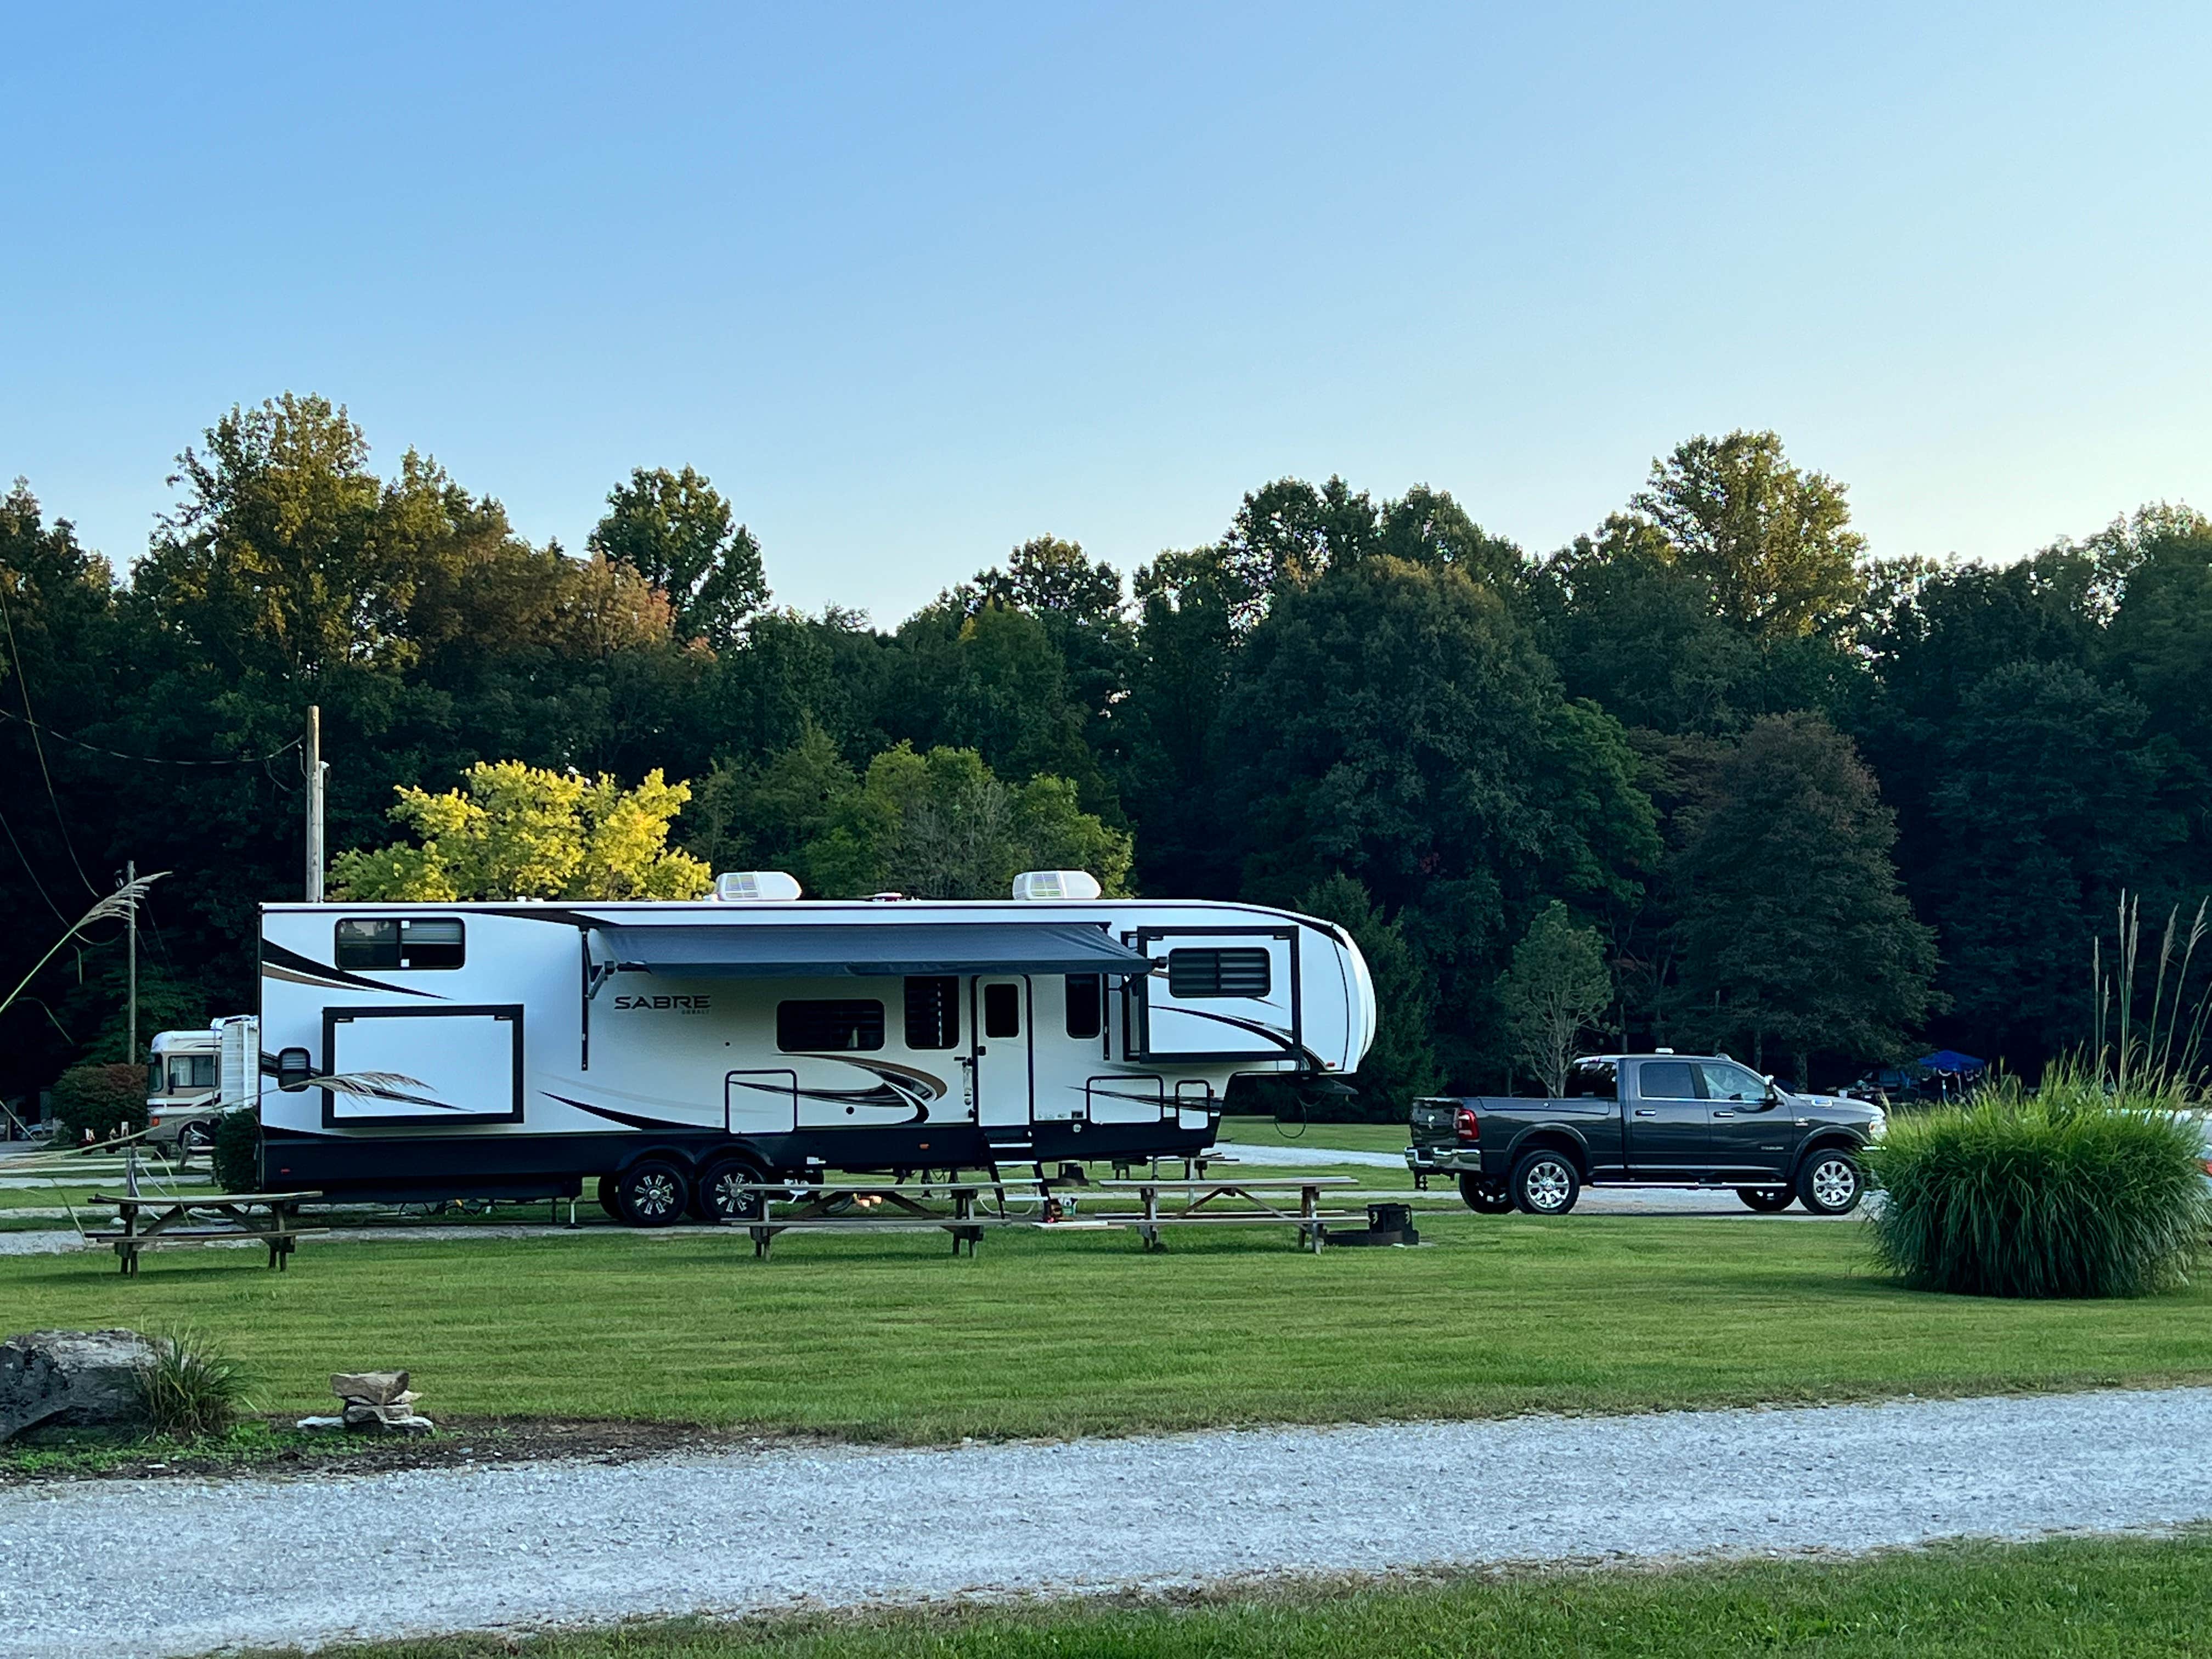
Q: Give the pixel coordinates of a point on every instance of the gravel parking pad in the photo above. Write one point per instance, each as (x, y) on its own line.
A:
(263, 1561)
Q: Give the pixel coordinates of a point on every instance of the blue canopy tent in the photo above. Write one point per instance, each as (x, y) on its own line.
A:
(1947, 1060)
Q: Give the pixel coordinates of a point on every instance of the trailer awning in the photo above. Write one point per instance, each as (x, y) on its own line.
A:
(777, 951)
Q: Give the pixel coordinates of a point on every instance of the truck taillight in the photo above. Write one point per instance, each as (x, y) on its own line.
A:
(1466, 1125)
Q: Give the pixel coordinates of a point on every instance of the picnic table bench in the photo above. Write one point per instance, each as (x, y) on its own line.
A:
(150, 1222)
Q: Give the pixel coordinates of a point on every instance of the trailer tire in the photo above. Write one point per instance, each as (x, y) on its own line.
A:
(1483, 1199)
(716, 1205)
(607, 1197)
(651, 1193)
(1546, 1182)
(1768, 1200)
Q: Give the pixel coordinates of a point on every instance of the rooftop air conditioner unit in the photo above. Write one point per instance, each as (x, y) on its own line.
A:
(1055, 884)
(755, 886)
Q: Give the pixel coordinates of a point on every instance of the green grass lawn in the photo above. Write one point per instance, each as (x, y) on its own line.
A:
(2098, 1597)
(889, 1338)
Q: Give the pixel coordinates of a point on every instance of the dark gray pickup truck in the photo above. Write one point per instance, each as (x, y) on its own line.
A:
(1658, 1120)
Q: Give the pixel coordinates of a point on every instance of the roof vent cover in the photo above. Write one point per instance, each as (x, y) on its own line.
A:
(1055, 884)
(755, 886)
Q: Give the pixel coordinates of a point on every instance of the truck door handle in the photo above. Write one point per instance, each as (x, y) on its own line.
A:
(1723, 1113)
(1647, 1111)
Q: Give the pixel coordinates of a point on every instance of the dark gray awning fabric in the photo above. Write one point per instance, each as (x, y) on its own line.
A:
(778, 950)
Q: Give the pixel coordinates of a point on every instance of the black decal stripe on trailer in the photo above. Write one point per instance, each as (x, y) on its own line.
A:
(630, 1118)
(278, 962)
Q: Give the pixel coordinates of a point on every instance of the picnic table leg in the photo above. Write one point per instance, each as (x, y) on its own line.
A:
(1309, 1207)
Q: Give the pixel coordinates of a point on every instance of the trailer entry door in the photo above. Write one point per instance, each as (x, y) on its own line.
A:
(1217, 994)
(1000, 1019)
(422, 1066)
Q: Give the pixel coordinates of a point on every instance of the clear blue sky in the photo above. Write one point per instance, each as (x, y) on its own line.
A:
(914, 283)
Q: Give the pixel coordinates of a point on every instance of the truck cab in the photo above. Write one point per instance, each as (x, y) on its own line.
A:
(1657, 1119)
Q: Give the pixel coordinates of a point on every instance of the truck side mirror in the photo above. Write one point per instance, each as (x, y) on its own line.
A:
(293, 1067)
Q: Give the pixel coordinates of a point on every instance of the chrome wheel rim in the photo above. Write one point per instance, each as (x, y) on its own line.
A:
(1834, 1182)
(1546, 1184)
(654, 1194)
(729, 1197)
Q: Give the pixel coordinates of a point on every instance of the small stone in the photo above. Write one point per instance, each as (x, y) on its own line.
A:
(374, 1388)
(320, 1425)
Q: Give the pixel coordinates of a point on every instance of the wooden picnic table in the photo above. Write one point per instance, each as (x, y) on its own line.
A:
(826, 1206)
(151, 1221)
(1256, 1192)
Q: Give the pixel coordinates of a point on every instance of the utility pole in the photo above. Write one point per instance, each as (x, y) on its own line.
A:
(314, 766)
(131, 931)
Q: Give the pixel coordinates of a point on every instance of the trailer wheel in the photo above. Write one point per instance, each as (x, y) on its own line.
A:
(1483, 1197)
(651, 1193)
(718, 1199)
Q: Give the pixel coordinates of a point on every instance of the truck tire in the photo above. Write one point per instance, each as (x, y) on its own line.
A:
(1484, 1198)
(606, 1187)
(1768, 1200)
(651, 1193)
(1545, 1183)
(1831, 1183)
(714, 1199)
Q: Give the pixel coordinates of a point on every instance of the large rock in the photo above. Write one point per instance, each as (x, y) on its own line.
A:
(72, 1379)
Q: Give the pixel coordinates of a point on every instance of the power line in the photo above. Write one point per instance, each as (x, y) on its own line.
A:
(148, 760)
(31, 870)
(23, 689)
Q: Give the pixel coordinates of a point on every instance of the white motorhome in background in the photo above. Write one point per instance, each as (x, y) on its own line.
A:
(196, 1074)
(679, 1050)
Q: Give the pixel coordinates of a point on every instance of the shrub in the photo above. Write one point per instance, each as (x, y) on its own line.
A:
(189, 1388)
(2068, 1192)
(99, 1097)
(236, 1159)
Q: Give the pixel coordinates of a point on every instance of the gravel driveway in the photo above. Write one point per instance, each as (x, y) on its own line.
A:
(309, 1561)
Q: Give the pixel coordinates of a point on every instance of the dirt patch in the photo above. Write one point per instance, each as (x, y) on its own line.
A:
(276, 1450)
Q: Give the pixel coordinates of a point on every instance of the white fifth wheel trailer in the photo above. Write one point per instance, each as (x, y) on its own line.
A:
(678, 1051)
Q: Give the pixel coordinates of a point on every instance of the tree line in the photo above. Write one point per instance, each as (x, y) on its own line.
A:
(1711, 774)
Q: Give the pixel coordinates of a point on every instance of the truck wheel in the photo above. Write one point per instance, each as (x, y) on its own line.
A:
(1545, 1183)
(1482, 1197)
(606, 1186)
(1768, 1200)
(195, 1138)
(1830, 1183)
(719, 1198)
(650, 1193)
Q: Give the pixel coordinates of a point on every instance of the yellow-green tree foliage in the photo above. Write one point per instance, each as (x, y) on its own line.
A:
(515, 831)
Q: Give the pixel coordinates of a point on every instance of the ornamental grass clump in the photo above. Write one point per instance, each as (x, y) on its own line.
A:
(190, 1388)
(2074, 1190)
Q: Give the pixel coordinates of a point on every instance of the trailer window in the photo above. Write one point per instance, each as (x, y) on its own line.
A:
(1086, 998)
(814, 1027)
(400, 942)
(1002, 1011)
(1218, 974)
(932, 1013)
